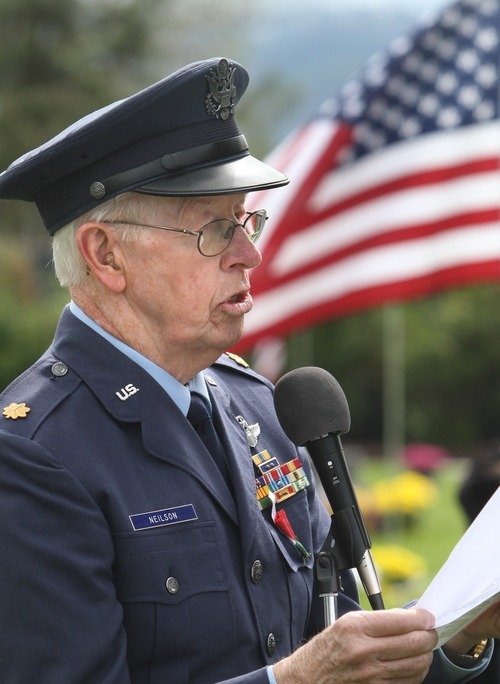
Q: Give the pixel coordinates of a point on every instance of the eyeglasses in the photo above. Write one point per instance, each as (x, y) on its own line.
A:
(216, 236)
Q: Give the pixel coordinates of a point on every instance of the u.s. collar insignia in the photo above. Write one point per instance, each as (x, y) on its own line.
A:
(16, 411)
(220, 100)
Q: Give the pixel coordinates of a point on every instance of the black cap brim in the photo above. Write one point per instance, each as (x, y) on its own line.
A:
(237, 176)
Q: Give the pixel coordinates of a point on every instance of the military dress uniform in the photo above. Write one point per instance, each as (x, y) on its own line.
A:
(126, 556)
(132, 558)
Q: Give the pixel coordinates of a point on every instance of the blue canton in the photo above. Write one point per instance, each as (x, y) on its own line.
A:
(443, 77)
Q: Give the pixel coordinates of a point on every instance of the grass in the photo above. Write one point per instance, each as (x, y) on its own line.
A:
(431, 536)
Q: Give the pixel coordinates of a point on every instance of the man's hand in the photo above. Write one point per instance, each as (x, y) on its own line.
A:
(486, 626)
(365, 648)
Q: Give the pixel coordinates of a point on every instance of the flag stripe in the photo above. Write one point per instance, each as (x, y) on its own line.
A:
(410, 157)
(386, 215)
(388, 264)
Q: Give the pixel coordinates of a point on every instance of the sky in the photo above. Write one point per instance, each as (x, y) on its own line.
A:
(414, 7)
(320, 45)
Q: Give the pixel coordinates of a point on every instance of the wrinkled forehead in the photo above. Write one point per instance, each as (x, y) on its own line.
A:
(197, 209)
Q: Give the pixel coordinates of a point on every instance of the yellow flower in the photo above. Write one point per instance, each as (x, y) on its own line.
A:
(397, 564)
(406, 494)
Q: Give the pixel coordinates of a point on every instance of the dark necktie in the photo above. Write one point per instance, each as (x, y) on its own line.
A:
(200, 417)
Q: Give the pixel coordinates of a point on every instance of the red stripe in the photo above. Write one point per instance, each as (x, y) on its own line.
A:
(263, 279)
(363, 299)
(300, 215)
(297, 216)
(421, 179)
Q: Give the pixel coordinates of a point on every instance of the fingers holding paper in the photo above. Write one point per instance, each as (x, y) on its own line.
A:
(365, 648)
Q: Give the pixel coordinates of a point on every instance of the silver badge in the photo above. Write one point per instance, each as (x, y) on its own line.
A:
(252, 431)
(220, 101)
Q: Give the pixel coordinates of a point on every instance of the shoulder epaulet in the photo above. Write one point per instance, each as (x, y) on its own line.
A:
(237, 359)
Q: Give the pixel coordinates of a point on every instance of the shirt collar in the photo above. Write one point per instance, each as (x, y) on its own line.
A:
(179, 393)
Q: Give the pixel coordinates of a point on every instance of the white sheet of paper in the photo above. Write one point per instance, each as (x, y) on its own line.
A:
(469, 581)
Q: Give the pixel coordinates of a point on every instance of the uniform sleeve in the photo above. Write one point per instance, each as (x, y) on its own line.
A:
(448, 673)
(59, 618)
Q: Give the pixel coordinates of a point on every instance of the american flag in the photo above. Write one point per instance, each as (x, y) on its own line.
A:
(395, 184)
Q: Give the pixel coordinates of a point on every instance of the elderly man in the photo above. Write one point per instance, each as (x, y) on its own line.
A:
(134, 546)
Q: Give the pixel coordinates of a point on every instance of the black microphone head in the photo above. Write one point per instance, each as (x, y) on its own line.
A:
(309, 402)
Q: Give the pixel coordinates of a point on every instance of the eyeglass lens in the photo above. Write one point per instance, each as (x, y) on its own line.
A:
(215, 236)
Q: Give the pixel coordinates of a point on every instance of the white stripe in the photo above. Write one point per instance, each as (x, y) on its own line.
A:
(427, 152)
(379, 266)
(278, 201)
(414, 206)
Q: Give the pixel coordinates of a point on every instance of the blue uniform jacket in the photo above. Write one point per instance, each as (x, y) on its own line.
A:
(125, 557)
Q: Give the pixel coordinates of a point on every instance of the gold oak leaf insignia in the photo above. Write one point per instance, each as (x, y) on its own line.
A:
(16, 411)
(237, 359)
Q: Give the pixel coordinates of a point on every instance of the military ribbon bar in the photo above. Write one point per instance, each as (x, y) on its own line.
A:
(281, 479)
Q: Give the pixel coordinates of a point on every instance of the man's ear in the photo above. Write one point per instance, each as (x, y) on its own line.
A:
(101, 251)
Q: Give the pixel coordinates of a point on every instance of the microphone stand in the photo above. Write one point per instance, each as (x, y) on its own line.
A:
(328, 579)
(340, 552)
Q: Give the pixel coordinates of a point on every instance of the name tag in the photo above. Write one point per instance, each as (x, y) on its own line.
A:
(165, 516)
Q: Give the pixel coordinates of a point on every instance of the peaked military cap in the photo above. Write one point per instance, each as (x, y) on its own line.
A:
(177, 137)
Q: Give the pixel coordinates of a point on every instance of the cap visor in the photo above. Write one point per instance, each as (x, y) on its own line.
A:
(239, 175)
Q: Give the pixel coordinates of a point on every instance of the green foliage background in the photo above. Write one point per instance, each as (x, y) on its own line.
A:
(450, 367)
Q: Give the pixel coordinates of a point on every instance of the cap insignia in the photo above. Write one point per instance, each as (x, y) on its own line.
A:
(16, 411)
(220, 100)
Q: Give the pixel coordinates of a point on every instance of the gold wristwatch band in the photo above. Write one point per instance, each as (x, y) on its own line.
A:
(468, 659)
(478, 649)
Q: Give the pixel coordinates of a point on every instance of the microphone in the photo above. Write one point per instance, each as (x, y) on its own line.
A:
(313, 411)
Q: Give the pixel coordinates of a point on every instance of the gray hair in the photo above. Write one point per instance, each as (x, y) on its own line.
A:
(70, 268)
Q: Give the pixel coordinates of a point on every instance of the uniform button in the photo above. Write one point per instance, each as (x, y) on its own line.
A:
(59, 369)
(271, 644)
(257, 571)
(172, 585)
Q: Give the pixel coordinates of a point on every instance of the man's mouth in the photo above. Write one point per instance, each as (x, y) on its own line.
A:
(241, 302)
(237, 298)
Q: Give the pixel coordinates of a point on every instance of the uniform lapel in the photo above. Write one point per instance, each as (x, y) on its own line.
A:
(171, 438)
(238, 455)
(131, 395)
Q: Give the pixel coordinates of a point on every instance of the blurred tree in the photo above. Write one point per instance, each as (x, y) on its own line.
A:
(28, 314)
(60, 60)
(452, 367)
